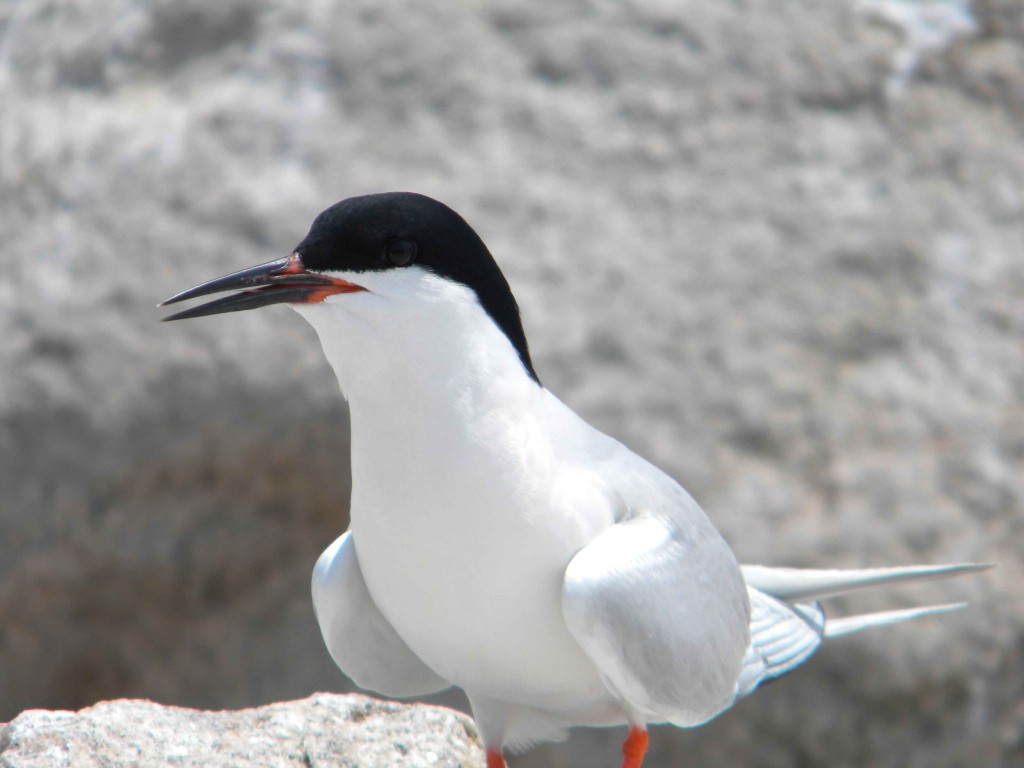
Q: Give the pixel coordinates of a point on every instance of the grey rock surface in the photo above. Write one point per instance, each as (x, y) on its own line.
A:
(734, 250)
(322, 731)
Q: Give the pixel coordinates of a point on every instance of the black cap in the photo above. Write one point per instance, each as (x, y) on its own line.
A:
(394, 230)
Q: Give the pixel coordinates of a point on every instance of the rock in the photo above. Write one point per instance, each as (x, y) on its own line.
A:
(800, 296)
(319, 732)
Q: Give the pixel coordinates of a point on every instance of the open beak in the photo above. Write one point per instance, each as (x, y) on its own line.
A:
(280, 281)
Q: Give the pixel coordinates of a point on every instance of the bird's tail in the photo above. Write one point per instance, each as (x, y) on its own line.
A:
(787, 623)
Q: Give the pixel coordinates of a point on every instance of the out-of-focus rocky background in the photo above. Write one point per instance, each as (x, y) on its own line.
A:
(776, 246)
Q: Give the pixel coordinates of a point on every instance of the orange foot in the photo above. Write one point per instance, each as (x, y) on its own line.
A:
(633, 748)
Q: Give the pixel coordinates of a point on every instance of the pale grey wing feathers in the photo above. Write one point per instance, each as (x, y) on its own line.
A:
(784, 633)
(804, 583)
(663, 614)
(358, 636)
(782, 637)
(850, 624)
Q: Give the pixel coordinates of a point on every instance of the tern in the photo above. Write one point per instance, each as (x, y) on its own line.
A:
(498, 542)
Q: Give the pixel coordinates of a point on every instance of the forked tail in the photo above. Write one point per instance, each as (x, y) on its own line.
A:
(787, 624)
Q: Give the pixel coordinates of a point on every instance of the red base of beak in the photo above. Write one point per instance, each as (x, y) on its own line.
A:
(276, 282)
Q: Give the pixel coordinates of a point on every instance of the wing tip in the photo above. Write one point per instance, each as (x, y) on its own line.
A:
(800, 584)
(850, 624)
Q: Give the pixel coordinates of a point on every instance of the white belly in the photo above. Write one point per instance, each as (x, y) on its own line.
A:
(457, 460)
(479, 611)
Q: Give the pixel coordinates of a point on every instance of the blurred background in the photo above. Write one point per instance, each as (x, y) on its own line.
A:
(775, 246)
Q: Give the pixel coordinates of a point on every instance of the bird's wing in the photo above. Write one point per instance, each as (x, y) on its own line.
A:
(803, 583)
(360, 640)
(782, 637)
(784, 633)
(663, 614)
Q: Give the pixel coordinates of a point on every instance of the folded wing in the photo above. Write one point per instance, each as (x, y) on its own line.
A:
(360, 639)
(786, 629)
(804, 583)
(664, 616)
(782, 637)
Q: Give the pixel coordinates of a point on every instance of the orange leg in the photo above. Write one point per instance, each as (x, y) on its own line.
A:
(494, 759)
(633, 748)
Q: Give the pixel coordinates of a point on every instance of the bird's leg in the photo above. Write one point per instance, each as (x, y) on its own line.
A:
(491, 720)
(633, 748)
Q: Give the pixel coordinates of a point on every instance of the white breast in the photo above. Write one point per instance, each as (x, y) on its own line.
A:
(468, 495)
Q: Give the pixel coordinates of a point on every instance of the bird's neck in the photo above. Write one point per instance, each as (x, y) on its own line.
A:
(433, 377)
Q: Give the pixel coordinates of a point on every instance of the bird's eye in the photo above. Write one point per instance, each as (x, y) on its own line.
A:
(400, 253)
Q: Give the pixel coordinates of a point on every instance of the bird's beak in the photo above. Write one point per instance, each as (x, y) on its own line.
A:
(279, 281)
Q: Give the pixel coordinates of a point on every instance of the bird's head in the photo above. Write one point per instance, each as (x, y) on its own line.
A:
(386, 254)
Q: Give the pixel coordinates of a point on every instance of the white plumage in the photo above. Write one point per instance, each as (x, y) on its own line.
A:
(497, 541)
(524, 556)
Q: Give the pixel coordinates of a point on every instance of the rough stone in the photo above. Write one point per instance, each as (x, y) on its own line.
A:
(322, 731)
(734, 249)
